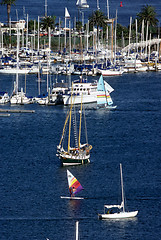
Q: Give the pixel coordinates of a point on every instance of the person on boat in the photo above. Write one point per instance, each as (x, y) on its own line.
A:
(108, 212)
(80, 78)
(72, 191)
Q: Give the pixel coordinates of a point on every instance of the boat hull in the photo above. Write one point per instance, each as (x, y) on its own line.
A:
(108, 72)
(72, 198)
(120, 215)
(72, 162)
(78, 99)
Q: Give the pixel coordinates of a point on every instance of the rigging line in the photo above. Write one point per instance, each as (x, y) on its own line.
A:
(65, 124)
(85, 124)
(75, 127)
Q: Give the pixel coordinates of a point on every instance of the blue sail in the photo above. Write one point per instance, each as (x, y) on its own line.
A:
(101, 94)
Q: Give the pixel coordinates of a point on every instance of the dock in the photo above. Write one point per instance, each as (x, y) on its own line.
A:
(4, 115)
(16, 111)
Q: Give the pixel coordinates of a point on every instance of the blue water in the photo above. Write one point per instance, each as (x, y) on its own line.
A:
(35, 8)
(32, 179)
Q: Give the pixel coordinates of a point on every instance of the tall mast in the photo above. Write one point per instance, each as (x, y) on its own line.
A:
(108, 12)
(46, 5)
(122, 187)
(77, 223)
(80, 123)
(70, 119)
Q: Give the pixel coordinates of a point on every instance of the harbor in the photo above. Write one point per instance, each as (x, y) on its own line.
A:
(80, 128)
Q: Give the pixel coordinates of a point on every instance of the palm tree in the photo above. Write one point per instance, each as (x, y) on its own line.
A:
(8, 3)
(98, 19)
(47, 22)
(148, 14)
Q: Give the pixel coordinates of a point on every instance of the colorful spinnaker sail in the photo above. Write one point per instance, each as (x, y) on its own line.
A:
(73, 183)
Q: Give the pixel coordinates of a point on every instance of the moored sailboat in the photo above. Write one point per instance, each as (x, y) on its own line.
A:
(121, 213)
(79, 153)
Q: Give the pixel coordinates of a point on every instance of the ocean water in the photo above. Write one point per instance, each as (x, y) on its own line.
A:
(32, 179)
(57, 8)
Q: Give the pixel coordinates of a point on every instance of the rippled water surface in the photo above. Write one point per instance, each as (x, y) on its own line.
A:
(32, 179)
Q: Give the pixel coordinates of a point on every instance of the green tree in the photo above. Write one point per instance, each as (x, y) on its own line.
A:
(8, 3)
(97, 19)
(47, 22)
(148, 14)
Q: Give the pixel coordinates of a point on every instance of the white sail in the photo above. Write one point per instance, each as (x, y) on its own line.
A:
(108, 87)
(67, 15)
(82, 4)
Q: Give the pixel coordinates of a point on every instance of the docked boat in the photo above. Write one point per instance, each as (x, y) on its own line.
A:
(14, 70)
(57, 93)
(4, 97)
(103, 94)
(74, 187)
(111, 72)
(120, 213)
(81, 90)
(19, 97)
(74, 152)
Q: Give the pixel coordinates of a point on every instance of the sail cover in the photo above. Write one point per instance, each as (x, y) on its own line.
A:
(73, 183)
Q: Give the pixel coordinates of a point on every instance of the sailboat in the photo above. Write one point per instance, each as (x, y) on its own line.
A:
(103, 94)
(78, 153)
(74, 187)
(82, 4)
(122, 213)
(19, 97)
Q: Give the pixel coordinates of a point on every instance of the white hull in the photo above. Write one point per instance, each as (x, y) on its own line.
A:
(77, 99)
(109, 72)
(14, 71)
(4, 98)
(120, 215)
(111, 107)
(19, 99)
(72, 198)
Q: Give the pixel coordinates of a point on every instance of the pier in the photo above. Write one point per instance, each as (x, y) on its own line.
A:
(16, 111)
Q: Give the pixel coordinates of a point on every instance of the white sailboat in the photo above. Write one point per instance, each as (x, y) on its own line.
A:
(82, 4)
(4, 97)
(19, 97)
(74, 187)
(103, 94)
(122, 213)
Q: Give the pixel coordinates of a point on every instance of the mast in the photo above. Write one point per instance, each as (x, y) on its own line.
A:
(122, 188)
(80, 123)
(18, 39)
(77, 223)
(70, 119)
